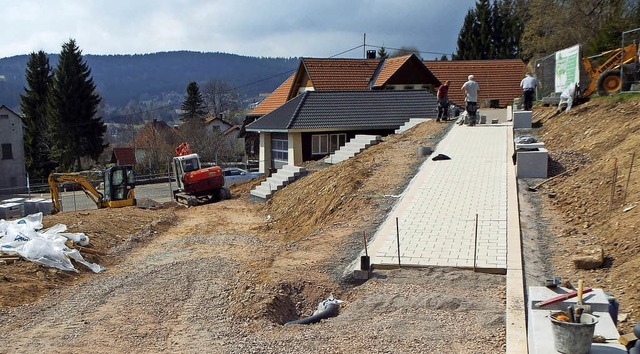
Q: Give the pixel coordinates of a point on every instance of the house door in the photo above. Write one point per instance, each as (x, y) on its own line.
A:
(279, 151)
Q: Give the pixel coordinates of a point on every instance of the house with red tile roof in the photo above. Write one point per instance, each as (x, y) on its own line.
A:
(332, 75)
(123, 156)
(499, 80)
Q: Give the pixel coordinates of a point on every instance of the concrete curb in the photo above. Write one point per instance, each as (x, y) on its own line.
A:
(516, 322)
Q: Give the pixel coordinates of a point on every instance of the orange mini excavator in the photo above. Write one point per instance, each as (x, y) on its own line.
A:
(196, 185)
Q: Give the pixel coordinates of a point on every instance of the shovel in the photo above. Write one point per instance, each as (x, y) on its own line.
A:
(535, 188)
(580, 308)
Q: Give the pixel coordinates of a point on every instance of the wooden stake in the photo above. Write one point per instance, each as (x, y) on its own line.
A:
(398, 239)
(613, 183)
(364, 236)
(475, 244)
(626, 188)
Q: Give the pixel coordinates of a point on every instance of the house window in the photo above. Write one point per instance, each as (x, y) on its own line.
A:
(337, 140)
(280, 150)
(320, 144)
(4, 116)
(327, 143)
(7, 153)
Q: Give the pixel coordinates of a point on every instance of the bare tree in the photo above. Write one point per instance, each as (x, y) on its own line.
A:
(220, 97)
(405, 50)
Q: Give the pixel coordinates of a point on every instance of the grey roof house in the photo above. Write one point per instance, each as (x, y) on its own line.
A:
(13, 174)
(316, 123)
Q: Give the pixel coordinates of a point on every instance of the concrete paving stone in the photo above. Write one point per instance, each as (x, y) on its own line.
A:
(437, 210)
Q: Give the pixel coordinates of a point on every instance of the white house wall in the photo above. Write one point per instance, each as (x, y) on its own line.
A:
(295, 149)
(265, 153)
(13, 173)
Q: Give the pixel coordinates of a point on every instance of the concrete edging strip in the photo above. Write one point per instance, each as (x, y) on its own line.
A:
(516, 323)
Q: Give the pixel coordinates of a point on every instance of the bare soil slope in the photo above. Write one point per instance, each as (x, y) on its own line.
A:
(591, 206)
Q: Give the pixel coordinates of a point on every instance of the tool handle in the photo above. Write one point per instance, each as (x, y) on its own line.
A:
(562, 297)
(580, 291)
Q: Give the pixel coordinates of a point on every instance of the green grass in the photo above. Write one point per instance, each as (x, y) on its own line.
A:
(619, 97)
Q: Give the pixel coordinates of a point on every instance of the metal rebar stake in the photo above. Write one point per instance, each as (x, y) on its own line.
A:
(398, 239)
(475, 244)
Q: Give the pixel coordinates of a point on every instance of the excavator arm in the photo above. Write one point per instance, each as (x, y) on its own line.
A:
(89, 190)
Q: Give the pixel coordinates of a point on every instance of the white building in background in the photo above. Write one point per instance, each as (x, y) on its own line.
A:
(13, 174)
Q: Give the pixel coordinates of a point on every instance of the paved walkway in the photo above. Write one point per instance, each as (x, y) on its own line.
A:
(436, 214)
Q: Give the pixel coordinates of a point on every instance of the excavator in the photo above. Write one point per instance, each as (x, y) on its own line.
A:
(119, 188)
(605, 78)
(196, 185)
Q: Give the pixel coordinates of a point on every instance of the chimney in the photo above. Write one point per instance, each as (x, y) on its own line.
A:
(371, 54)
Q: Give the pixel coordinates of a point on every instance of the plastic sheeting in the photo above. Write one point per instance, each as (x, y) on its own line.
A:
(46, 247)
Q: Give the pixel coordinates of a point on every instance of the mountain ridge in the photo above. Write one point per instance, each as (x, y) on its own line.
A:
(122, 78)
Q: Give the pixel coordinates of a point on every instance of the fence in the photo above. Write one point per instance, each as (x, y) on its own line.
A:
(545, 68)
(157, 187)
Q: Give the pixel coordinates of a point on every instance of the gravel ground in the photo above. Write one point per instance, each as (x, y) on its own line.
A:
(175, 293)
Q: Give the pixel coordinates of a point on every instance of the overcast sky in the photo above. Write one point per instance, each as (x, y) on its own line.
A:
(263, 28)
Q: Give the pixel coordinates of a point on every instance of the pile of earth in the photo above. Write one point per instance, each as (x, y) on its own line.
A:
(595, 205)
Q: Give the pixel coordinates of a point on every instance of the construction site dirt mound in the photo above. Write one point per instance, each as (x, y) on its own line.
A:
(112, 233)
(594, 204)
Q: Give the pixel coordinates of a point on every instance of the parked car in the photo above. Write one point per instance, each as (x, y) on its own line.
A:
(234, 175)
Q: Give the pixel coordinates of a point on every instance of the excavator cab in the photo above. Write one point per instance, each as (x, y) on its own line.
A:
(119, 183)
(119, 188)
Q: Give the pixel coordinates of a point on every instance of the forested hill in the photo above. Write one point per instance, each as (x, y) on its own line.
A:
(124, 78)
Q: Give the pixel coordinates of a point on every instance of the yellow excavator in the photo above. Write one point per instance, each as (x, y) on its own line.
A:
(119, 188)
(605, 78)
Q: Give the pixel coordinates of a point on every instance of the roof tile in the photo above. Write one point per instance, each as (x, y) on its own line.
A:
(276, 99)
(498, 79)
(390, 66)
(349, 110)
(341, 73)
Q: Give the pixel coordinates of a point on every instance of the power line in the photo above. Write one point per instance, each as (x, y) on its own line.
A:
(274, 76)
(233, 88)
(416, 51)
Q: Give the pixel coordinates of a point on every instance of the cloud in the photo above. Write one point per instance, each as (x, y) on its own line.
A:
(283, 28)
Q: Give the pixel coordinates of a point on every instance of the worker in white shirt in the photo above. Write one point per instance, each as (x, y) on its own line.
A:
(528, 85)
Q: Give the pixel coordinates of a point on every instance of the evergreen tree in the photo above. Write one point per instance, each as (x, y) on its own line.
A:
(382, 53)
(193, 107)
(499, 44)
(74, 130)
(33, 105)
(482, 30)
(491, 31)
(465, 38)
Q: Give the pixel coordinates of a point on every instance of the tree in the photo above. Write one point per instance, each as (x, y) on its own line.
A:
(491, 31)
(465, 38)
(382, 53)
(75, 130)
(220, 98)
(193, 106)
(553, 25)
(405, 50)
(33, 105)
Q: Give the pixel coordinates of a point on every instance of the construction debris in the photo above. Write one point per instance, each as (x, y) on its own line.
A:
(47, 247)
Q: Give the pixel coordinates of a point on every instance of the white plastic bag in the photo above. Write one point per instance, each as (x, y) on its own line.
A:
(46, 247)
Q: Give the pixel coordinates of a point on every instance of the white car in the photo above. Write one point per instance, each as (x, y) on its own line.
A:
(234, 175)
